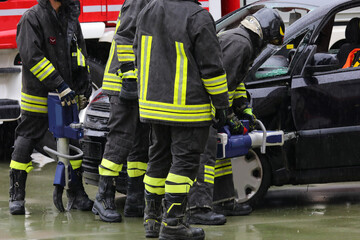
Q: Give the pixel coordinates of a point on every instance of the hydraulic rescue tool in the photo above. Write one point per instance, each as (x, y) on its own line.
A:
(64, 124)
(235, 147)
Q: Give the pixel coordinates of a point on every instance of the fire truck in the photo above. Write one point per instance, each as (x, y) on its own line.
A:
(98, 20)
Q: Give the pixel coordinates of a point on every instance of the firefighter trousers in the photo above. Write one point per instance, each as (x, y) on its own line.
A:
(33, 133)
(128, 140)
(214, 182)
(174, 157)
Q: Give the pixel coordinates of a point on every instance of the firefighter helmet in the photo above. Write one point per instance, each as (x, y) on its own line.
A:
(268, 24)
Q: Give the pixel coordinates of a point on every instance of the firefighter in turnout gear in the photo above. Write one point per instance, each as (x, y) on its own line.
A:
(128, 138)
(214, 185)
(52, 50)
(181, 82)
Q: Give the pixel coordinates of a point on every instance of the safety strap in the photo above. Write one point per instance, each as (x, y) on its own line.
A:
(353, 59)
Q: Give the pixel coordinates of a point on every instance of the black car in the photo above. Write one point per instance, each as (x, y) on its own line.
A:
(300, 88)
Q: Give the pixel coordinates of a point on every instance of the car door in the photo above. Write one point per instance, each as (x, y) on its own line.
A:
(325, 105)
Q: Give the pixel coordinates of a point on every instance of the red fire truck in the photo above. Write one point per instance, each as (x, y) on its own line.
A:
(98, 19)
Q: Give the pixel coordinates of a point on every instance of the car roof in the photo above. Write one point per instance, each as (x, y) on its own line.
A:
(316, 3)
(314, 15)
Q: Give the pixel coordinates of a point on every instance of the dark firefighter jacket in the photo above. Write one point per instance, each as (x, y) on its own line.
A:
(179, 63)
(238, 55)
(52, 50)
(121, 51)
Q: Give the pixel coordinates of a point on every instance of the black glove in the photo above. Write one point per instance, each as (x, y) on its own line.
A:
(247, 114)
(220, 118)
(235, 125)
(66, 94)
(128, 75)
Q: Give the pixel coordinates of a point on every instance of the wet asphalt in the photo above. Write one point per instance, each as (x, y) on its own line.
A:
(313, 212)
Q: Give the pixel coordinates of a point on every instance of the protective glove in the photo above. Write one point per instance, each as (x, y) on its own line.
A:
(128, 76)
(66, 94)
(247, 114)
(82, 101)
(220, 118)
(235, 125)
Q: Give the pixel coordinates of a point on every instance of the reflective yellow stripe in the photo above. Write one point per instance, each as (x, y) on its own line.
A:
(145, 56)
(130, 74)
(155, 190)
(174, 204)
(209, 172)
(231, 97)
(176, 117)
(241, 86)
(80, 58)
(222, 162)
(181, 75)
(111, 165)
(158, 182)
(46, 72)
(33, 107)
(136, 169)
(137, 165)
(111, 86)
(111, 81)
(240, 95)
(75, 164)
(172, 112)
(21, 166)
(216, 85)
(106, 172)
(34, 99)
(223, 171)
(126, 57)
(209, 169)
(179, 188)
(209, 178)
(179, 179)
(135, 172)
(39, 66)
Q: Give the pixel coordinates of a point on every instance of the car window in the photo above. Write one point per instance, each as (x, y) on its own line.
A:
(278, 63)
(333, 46)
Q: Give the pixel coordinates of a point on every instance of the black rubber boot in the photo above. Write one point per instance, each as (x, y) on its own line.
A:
(173, 226)
(152, 214)
(134, 204)
(104, 204)
(205, 216)
(77, 197)
(232, 208)
(17, 191)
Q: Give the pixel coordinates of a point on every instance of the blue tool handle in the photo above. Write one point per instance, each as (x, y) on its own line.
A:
(59, 178)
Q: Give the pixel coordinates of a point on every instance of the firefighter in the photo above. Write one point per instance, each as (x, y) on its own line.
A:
(181, 80)
(50, 42)
(128, 138)
(214, 185)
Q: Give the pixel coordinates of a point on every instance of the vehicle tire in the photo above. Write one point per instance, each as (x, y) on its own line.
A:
(97, 72)
(252, 177)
